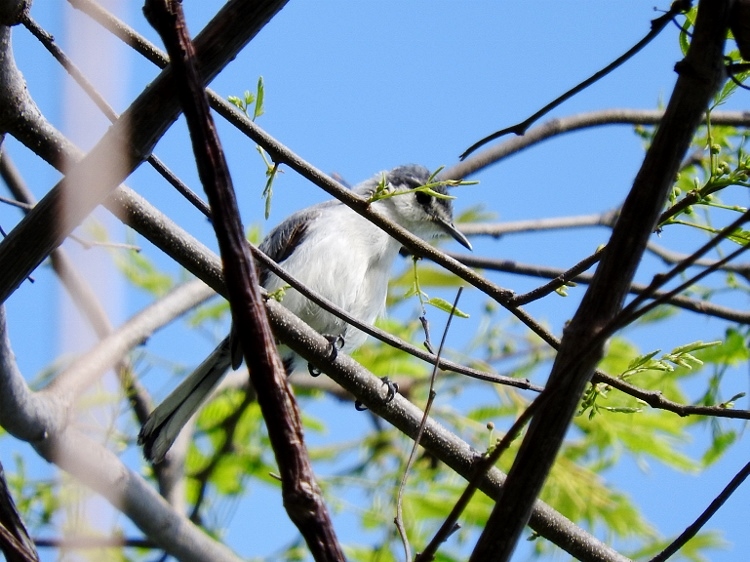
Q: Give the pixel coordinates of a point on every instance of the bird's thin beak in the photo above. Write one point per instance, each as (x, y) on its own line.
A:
(456, 234)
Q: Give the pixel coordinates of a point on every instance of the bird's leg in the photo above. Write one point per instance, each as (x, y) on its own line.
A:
(335, 343)
(390, 394)
(392, 389)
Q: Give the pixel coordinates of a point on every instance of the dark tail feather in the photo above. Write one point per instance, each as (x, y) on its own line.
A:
(165, 422)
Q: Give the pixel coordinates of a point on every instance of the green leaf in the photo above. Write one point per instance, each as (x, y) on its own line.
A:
(235, 101)
(740, 236)
(446, 306)
(259, 99)
(695, 346)
(685, 32)
(641, 360)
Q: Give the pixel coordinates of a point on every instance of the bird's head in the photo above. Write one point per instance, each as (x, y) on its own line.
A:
(420, 212)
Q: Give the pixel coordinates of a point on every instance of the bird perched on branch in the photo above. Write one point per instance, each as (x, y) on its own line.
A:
(336, 253)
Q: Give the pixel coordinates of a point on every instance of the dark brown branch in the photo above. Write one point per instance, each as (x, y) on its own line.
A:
(303, 498)
(700, 74)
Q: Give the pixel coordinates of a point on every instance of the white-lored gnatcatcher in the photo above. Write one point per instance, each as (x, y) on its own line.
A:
(334, 252)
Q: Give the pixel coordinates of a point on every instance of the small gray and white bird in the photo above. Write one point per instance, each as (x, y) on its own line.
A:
(339, 255)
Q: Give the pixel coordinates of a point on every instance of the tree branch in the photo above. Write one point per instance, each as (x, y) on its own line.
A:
(132, 137)
(303, 498)
(657, 25)
(562, 125)
(42, 418)
(700, 74)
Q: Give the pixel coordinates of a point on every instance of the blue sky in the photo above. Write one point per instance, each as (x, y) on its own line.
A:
(357, 87)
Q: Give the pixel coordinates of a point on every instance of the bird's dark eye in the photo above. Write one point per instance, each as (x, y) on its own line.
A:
(423, 198)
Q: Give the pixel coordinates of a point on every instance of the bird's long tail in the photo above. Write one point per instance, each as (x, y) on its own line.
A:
(165, 422)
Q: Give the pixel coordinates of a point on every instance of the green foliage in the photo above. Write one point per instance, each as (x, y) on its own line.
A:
(249, 99)
(36, 500)
(141, 272)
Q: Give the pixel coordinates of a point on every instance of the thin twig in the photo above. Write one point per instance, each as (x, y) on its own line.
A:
(399, 521)
(559, 281)
(693, 529)
(657, 25)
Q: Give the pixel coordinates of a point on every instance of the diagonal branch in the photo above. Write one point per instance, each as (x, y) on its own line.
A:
(303, 498)
(657, 26)
(700, 75)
